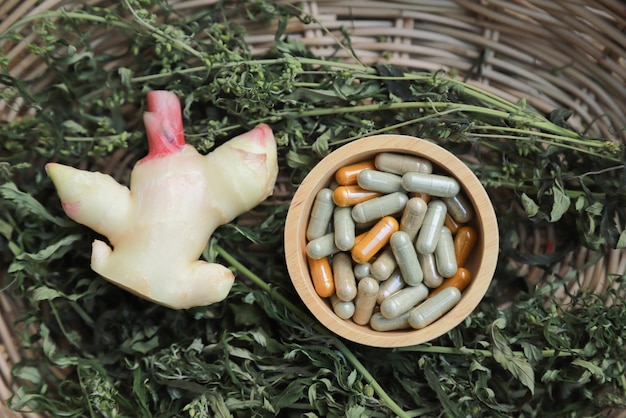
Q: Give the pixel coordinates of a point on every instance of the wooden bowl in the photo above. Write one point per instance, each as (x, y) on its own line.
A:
(481, 264)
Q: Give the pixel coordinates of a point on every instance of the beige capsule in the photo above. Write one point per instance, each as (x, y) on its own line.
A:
(379, 181)
(384, 265)
(432, 278)
(445, 255)
(379, 207)
(365, 300)
(344, 228)
(403, 300)
(390, 286)
(362, 270)
(433, 184)
(402, 163)
(379, 323)
(434, 308)
(413, 216)
(322, 246)
(345, 282)
(321, 214)
(343, 309)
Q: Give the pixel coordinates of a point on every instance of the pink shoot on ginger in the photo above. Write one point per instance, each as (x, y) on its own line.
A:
(158, 228)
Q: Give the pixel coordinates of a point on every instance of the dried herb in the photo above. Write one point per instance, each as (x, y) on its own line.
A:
(102, 352)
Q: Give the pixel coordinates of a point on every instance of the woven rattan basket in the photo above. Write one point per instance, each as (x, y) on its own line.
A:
(551, 53)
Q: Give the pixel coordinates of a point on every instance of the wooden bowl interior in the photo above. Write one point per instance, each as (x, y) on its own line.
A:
(481, 263)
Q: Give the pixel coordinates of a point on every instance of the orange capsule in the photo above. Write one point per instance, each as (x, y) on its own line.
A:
(464, 241)
(451, 223)
(322, 276)
(352, 194)
(424, 196)
(375, 239)
(460, 280)
(347, 175)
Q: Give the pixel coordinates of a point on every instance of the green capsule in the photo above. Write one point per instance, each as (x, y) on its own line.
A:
(365, 300)
(390, 286)
(343, 309)
(413, 216)
(444, 253)
(432, 184)
(384, 265)
(459, 208)
(402, 163)
(403, 300)
(321, 214)
(362, 270)
(428, 235)
(432, 278)
(379, 323)
(322, 246)
(434, 308)
(406, 257)
(379, 181)
(344, 228)
(379, 207)
(345, 282)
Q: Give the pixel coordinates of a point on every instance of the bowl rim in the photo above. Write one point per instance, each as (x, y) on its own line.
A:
(322, 174)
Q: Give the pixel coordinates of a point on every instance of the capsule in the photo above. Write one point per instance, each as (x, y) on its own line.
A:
(365, 300)
(322, 276)
(347, 175)
(379, 181)
(459, 208)
(379, 207)
(352, 195)
(403, 301)
(322, 246)
(464, 242)
(321, 213)
(390, 286)
(432, 278)
(344, 228)
(343, 309)
(451, 223)
(345, 282)
(444, 254)
(460, 280)
(433, 184)
(384, 265)
(379, 323)
(374, 239)
(402, 163)
(362, 270)
(413, 216)
(406, 257)
(428, 234)
(434, 308)
(424, 196)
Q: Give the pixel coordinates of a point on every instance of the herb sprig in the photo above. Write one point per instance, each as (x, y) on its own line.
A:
(100, 351)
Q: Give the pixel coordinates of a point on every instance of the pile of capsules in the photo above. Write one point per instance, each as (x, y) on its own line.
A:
(406, 270)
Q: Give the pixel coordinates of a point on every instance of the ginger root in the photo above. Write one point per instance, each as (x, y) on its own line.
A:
(177, 198)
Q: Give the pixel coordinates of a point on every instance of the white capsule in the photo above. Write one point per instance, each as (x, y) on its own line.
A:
(384, 265)
(343, 309)
(379, 323)
(322, 246)
(432, 184)
(344, 228)
(413, 216)
(432, 278)
(379, 181)
(428, 235)
(403, 300)
(379, 207)
(390, 286)
(321, 214)
(434, 308)
(402, 163)
(406, 257)
(444, 253)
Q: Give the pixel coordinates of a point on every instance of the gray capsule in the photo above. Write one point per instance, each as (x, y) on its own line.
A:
(379, 181)
(345, 282)
(390, 286)
(344, 228)
(406, 257)
(403, 300)
(379, 207)
(413, 216)
(379, 323)
(432, 278)
(362, 270)
(459, 208)
(343, 309)
(365, 300)
(444, 253)
(322, 246)
(402, 163)
(432, 184)
(434, 308)
(321, 214)
(428, 235)
(384, 265)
